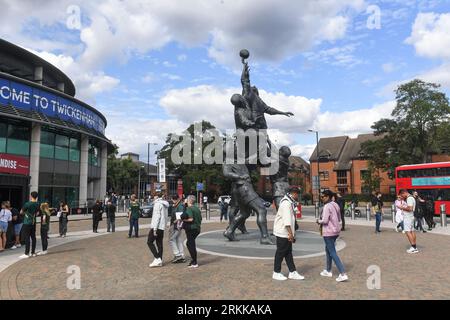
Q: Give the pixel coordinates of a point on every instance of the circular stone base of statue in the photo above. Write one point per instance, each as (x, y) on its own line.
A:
(308, 244)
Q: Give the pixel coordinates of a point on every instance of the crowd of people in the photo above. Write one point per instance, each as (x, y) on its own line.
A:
(284, 229)
(23, 224)
(181, 213)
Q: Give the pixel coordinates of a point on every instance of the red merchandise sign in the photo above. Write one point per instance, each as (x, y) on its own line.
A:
(14, 164)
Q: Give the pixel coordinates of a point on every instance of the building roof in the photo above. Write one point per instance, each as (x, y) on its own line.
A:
(329, 148)
(21, 63)
(352, 150)
(129, 154)
(299, 163)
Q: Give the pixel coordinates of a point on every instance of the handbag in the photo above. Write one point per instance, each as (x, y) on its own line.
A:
(58, 215)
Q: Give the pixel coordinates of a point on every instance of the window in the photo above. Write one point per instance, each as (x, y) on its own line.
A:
(343, 191)
(18, 140)
(94, 155)
(47, 144)
(61, 147)
(74, 151)
(342, 177)
(364, 174)
(3, 134)
(324, 175)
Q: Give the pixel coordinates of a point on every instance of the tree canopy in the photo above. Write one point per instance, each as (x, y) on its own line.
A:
(419, 127)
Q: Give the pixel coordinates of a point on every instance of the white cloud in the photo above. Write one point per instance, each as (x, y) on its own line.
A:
(430, 35)
(304, 151)
(338, 56)
(352, 123)
(171, 76)
(87, 83)
(115, 29)
(213, 104)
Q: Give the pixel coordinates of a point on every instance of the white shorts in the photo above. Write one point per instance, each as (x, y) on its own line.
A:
(408, 223)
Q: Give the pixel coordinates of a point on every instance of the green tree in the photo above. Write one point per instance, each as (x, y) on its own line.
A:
(191, 173)
(122, 173)
(418, 127)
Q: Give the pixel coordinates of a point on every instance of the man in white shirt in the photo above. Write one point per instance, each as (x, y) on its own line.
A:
(284, 230)
(408, 219)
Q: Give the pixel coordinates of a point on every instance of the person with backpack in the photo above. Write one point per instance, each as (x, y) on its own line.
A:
(330, 228)
(429, 213)
(110, 216)
(284, 229)
(29, 212)
(192, 220)
(97, 212)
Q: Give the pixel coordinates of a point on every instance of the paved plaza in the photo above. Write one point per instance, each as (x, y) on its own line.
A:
(115, 267)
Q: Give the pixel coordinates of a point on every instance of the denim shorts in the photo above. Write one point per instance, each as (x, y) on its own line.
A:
(17, 228)
(3, 226)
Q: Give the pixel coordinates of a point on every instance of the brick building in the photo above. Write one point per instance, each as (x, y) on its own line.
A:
(343, 167)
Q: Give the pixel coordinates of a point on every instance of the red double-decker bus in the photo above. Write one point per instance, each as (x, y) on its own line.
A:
(429, 179)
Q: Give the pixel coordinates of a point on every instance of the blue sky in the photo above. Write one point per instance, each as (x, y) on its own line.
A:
(153, 67)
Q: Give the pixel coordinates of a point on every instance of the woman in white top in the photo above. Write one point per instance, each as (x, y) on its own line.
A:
(5, 217)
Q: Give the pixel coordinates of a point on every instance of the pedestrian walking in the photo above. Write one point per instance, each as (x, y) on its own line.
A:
(192, 220)
(284, 230)
(408, 219)
(419, 212)
(176, 226)
(29, 212)
(110, 216)
(429, 213)
(5, 218)
(377, 211)
(329, 223)
(399, 205)
(45, 223)
(63, 215)
(97, 212)
(134, 213)
(156, 233)
(224, 205)
(17, 221)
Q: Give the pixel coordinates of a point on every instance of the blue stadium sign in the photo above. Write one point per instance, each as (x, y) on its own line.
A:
(30, 98)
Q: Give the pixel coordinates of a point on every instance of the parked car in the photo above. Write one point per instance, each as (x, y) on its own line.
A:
(147, 211)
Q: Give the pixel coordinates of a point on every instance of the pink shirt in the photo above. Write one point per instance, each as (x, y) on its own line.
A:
(331, 218)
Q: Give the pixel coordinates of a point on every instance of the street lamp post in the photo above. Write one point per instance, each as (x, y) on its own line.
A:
(148, 160)
(318, 170)
(139, 182)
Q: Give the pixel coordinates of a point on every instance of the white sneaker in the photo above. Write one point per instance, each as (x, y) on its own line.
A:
(342, 277)
(42, 253)
(24, 256)
(13, 248)
(278, 276)
(325, 273)
(396, 229)
(412, 250)
(295, 276)
(33, 255)
(193, 266)
(19, 246)
(156, 263)
(403, 231)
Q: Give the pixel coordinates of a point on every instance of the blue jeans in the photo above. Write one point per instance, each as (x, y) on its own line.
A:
(134, 223)
(377, 221)
(330, 250)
